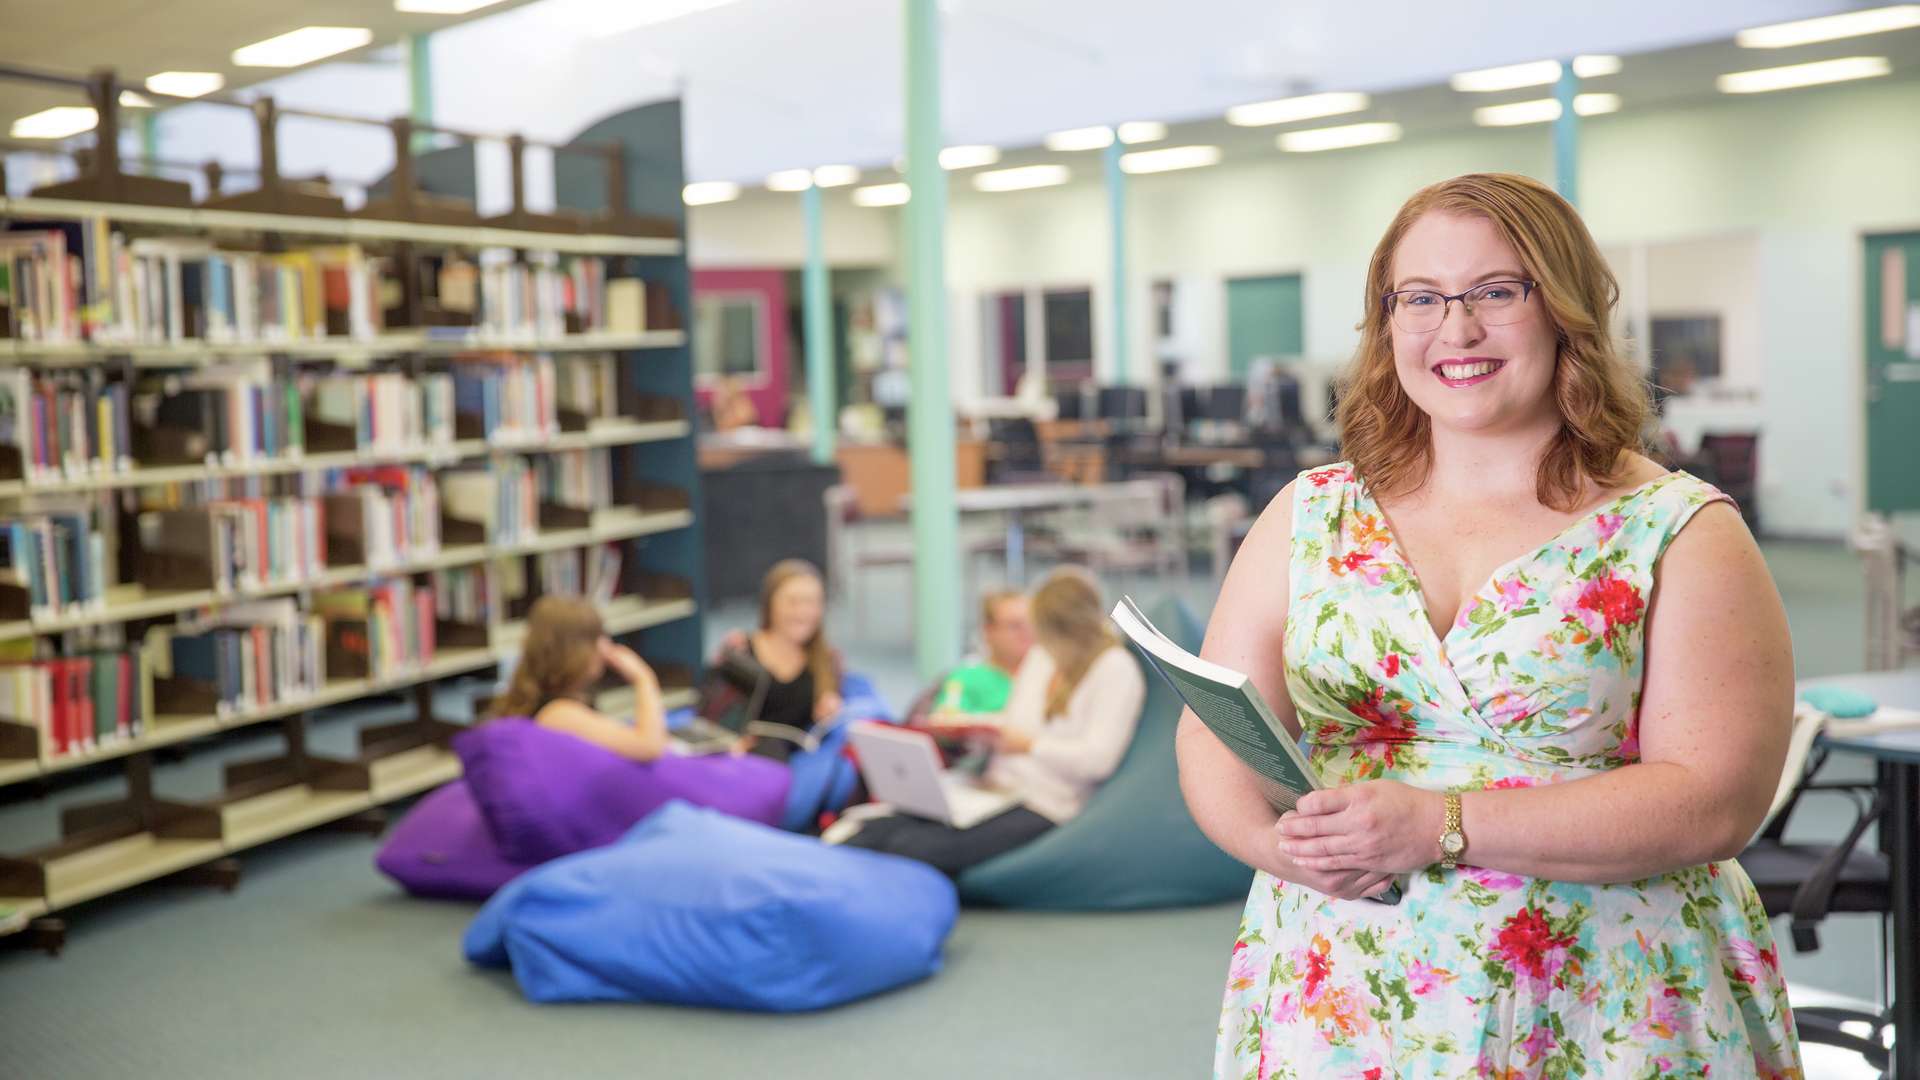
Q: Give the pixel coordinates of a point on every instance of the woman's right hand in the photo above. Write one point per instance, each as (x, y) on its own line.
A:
(1340, 884)
(625, 663)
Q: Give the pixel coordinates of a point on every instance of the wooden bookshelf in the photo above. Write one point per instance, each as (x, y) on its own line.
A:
(118, 844)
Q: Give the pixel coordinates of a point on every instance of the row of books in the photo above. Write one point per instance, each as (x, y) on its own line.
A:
(82, 281)
(467, 594)
(391, 513)
(246, 657)
(69, 423)
(511, 396)
(52, 563)
(388, 411)
(593, 573)
(239, 544)
(382, 631)
(576, 478)
(589, 385)
(503, 498)
(79, 703)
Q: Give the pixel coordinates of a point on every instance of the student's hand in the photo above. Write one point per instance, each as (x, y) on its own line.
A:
(626, 663)
(1380, 826)
(743, 745)
(1013, 740)
(826, 707)
(735, 641)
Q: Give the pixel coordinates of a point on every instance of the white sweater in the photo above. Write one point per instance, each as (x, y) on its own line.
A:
(1076, 750)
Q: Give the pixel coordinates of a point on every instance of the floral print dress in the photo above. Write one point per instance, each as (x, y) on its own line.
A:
(1478, 973)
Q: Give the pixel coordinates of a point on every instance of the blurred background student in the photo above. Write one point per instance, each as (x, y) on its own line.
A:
(565, 653)
(784, 670)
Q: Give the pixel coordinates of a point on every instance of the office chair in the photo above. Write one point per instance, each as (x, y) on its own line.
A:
(1807, 882)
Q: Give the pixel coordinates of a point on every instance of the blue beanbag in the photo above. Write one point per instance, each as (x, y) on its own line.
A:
(1135, 845)
(824, 779)
(693, 907)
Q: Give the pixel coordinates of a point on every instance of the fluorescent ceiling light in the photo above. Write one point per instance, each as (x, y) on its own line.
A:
(1169, 159)
(619, 16)
(56, 123)
(1795, 75)
(1511, 77)
(1338, 138)
(131, 100)
(186, 83)
(882, 195)
(1593, 67)
(790, 180)
(1087, 138)
(706, 192)
(302, 46)
(836, 175)
(1139, 131)
(1830, 27)
(968, 157)
(1022, 178)
(1544, 109)
(441, 7)
(1288, 110)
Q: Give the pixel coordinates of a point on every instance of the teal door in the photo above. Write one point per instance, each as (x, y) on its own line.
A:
(1263, 320)
(1893, 372)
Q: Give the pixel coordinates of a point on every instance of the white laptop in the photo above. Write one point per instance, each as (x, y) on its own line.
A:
(902, 768)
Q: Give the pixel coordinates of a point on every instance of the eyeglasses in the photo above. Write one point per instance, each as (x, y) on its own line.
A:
(1421, 311)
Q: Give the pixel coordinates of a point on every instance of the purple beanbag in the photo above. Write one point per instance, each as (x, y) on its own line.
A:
(544, 793)
(442, 849)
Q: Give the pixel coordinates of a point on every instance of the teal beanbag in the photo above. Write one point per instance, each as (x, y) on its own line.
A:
(1135, 845)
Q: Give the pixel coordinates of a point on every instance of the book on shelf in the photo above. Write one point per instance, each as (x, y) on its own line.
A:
(384, 412)
(40, 285)
(65, 424)
(383, 516)
(499, 496)
(467, 594)
(561, 573)
(239, 658)
(379, 631)
(229, 414)
(637, 306)
(581, 479)
(504, 398)
(603, 573)
(1231, 707)
(588, 386)
(79, 703)
(52, 563)
(230, 545)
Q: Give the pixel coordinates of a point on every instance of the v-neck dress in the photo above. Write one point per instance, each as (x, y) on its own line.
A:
(1478, 973)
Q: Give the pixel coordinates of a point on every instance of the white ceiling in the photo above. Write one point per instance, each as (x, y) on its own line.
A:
(775, 84)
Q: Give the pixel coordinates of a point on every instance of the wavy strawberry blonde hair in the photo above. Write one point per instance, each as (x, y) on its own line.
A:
(1603, 402)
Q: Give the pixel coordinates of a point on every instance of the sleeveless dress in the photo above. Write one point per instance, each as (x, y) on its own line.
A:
(1478, 973)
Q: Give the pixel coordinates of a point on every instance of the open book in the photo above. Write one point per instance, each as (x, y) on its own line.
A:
(1231, 706)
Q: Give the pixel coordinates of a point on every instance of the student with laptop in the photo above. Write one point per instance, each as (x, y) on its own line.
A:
(1069, 719)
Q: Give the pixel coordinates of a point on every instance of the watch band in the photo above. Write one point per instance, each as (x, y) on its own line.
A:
(1449, 855)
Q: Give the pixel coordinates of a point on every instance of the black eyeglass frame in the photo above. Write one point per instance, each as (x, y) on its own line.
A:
(1446, 301)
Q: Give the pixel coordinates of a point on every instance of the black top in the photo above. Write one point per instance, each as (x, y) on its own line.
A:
(789, 703)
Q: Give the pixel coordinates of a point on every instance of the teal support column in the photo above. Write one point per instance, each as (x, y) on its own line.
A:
(930, 427)
(150, 141)
(1117, 235)
(1566, 136)
(420, 90)
(817, 325)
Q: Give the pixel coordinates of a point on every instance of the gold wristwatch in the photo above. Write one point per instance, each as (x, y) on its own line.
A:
(1453, 842)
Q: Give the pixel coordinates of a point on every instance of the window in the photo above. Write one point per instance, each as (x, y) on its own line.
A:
(728, 336)
(1067, 315)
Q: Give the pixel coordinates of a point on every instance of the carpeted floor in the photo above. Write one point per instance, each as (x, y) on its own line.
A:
(318, 967)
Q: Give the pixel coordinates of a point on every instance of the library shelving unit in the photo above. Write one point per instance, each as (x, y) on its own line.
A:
(138, 592)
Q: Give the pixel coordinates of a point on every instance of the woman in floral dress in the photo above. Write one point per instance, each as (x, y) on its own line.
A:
(1499, 622)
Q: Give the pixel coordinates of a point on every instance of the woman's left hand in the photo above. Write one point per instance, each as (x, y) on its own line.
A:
(1381, 825)
(826, 706)
(1013, 740)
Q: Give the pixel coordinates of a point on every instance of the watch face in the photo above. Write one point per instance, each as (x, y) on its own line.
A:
(1453, 843)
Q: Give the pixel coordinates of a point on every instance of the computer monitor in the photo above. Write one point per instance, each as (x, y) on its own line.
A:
(1123, 403)
(1070, 404)
(1226, 403)
(1192, 403)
